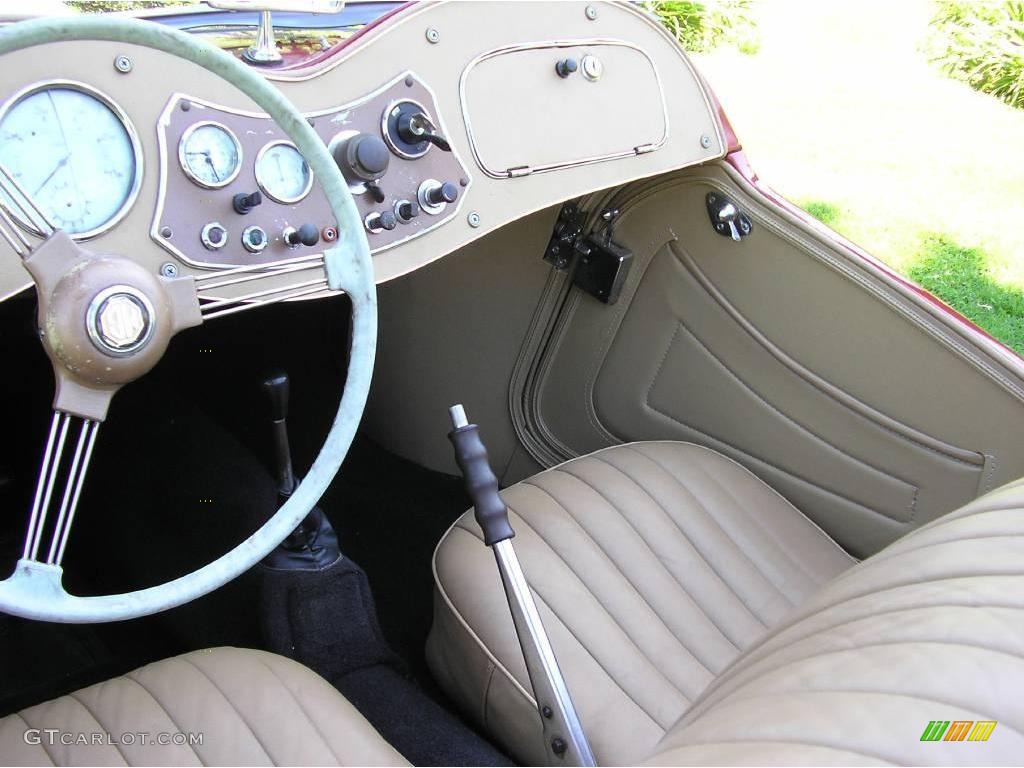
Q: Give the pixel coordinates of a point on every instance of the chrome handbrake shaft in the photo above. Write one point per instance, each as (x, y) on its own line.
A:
(564, 740)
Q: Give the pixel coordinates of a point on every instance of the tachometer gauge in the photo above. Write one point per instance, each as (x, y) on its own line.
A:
(74, 153)
(282, 172)
(210, 154)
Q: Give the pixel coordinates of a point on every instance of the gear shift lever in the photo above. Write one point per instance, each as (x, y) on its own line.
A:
(314, 544)
(276, 387)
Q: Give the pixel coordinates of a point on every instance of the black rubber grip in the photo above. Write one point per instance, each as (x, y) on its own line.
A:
(481, 484)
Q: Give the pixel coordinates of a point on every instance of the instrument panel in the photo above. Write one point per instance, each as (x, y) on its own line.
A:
(234, 191)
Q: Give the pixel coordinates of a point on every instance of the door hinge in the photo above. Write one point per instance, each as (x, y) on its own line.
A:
(566, 233)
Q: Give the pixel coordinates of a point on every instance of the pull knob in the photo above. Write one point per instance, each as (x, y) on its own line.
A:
(363, 157)
(416, 127)
(406, 211)
(378, 222)
(307, 235)
(566, 67)
(244, 203)
(442, 193)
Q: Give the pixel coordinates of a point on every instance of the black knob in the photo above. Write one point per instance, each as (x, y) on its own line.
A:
(442, 193)
(566, 67)
(307, 235)
(406, 211)
(364, 157)
(244, 203)
(383, 220)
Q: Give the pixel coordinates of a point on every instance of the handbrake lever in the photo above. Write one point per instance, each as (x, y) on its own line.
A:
(564, 740)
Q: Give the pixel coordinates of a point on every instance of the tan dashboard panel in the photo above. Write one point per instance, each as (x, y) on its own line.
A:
(562, 104)
(463, 31)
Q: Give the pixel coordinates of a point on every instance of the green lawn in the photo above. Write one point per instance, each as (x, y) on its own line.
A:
(840, 112)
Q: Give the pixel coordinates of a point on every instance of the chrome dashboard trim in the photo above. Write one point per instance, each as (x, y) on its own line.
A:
(188, 171)
(263, 187)
(164, 120)
(519, 171)
(133, 137)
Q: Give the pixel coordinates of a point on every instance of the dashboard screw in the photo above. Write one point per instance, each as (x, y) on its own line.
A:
(409, 81)
(169, 270)
(591, 12)
(165, 231)
(433, 36)
(123, 64)
(473, 219)
(705, 141)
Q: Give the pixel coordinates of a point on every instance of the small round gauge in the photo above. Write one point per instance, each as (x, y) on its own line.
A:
(210, 154)
(283, 173)
(74, 153)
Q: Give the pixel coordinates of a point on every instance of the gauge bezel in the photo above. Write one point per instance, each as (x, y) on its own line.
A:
(263, 187)
(183, 164)
(126, 123)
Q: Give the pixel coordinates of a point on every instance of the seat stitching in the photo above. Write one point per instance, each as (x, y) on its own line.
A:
(294, 698)
(742, 508)
(42, 744)
(611, 677)
(787, 742)
(650, 549)
(231, 704)
(610, 615)
(707, 513)
(88, 710)
(159, 703)
(690, 541)
(748, 660)
(622, 573)
(776, 694)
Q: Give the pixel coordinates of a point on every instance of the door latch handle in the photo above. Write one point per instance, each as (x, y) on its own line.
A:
(726, 218)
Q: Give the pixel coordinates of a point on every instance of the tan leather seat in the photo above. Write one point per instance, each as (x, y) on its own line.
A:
(250, 708)
(699, 618)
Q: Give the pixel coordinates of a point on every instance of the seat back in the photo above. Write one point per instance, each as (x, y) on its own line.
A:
(907, 658)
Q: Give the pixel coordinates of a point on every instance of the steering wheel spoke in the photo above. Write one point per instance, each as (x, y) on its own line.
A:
(50, 473)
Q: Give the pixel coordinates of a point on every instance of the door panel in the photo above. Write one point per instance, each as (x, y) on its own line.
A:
(868, 410)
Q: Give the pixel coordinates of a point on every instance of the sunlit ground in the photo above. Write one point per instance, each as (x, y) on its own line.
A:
(840, 111)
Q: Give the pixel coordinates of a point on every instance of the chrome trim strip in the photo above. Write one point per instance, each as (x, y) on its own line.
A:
(184, 164)
(133, 138)
(519, 171)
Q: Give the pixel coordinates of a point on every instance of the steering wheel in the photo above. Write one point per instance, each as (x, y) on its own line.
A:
(104, 320)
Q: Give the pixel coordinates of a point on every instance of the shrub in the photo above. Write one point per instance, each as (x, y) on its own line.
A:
(701, 26)
(982, 43)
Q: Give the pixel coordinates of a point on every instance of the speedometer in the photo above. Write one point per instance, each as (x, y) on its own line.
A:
(282, 172)
(210, 154)
(74, 152)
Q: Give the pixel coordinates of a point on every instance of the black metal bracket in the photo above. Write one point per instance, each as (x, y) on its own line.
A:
(566, 233)
(602, 268)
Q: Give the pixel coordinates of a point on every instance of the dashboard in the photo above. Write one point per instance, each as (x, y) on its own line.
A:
(448, 120)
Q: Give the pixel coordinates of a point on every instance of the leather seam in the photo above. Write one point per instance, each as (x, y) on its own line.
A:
(74, 697)
(813, 436)
(707, 513)
(293, 697)
(675, 524)
(619, 570)
(610, 615)
(231, 704)
(159, 703)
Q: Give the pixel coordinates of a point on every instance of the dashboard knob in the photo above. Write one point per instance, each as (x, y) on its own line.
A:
(307, 235)
(406, 211)
(566, 67)
(377, 222)
(363, 157)
(442, 193)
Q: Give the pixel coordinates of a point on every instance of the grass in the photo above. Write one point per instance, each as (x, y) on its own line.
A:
(841, 111)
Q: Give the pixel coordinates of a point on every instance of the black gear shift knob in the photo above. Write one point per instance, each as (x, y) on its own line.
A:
(275, 387)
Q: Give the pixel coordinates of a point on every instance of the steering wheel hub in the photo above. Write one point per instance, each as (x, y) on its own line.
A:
(119, 320)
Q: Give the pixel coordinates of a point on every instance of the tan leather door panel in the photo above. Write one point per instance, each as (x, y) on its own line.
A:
(869, 412)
